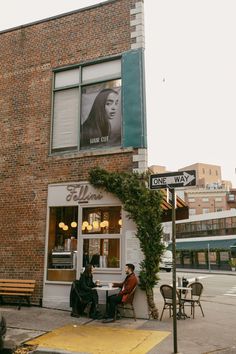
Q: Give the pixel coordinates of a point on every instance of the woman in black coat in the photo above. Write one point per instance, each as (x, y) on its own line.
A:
(83, 292)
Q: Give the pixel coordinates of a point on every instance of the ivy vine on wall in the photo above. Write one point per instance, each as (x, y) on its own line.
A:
(144, 208)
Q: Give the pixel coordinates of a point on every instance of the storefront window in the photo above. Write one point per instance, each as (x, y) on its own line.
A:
(212, 256)
(201, 258)
(178, 258)
(104, 220)
(62, 243)
(102, 253)
(101, 228)
(224, 256)
(186, 257)
(98, 240)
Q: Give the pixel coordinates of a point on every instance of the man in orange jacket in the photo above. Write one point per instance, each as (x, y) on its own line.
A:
(126, 286)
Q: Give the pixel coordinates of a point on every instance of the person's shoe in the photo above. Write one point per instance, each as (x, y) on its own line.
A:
(96, 316)
(74, 314)
(83, 314)
(108, 320)
(118, 315)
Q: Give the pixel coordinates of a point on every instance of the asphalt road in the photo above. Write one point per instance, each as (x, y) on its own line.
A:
(212, 334)
(217, 287)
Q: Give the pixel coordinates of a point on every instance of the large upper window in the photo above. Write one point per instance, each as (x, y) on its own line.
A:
(87, 107)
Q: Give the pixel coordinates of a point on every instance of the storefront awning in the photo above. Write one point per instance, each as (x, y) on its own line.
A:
(203, 245)
(182, 210)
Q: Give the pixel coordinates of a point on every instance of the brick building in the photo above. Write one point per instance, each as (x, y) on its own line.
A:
(51, 72)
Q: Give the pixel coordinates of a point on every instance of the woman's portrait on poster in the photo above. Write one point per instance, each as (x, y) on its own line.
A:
(102, 127)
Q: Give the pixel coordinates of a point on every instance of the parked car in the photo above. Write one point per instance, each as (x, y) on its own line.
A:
(3, 329)
(166, 261)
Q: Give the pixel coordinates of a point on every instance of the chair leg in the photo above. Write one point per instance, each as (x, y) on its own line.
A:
(162, 313)
(193, 305)
(201, 309)
(134, 313)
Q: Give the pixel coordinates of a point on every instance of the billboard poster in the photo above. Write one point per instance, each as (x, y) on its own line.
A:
(100, 124)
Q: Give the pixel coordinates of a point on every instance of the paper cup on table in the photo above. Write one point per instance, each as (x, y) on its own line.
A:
(110, 285)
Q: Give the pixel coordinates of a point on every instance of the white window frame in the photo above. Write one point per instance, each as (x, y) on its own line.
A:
(218, 199)
(81, 236)
(205, 199)
(205, 210)
(192, 211)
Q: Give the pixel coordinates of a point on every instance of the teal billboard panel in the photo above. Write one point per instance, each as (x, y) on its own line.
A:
(133, 98)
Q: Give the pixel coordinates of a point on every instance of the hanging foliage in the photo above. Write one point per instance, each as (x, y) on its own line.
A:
(144, 208)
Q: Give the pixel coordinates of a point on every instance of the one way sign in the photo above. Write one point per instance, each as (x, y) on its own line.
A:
(173, 180)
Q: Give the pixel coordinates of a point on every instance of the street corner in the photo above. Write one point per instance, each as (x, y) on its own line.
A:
(100, 339)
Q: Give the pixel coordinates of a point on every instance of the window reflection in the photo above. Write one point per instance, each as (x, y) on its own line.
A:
(62, 243)
(104, 220)
(102, 253)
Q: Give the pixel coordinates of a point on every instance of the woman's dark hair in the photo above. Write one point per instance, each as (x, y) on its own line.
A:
(97, 124)
(88, 269)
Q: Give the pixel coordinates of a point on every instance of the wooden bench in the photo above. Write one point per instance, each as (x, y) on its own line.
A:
(23, 289)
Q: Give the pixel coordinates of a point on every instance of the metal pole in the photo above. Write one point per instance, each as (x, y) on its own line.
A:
(174, 272)
(209, 260)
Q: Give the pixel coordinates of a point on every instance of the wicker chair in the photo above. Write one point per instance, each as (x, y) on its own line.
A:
(127, 305)
(195, 297)
(167, 294)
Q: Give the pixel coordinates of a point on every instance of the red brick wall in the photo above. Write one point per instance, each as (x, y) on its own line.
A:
(27, 57)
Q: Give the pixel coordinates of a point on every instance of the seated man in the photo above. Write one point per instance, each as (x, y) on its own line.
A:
(126, 286)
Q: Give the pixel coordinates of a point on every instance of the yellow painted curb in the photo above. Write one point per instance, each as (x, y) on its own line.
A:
(100, 339)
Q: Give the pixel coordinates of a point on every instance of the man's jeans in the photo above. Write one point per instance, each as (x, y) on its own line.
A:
(113, 301)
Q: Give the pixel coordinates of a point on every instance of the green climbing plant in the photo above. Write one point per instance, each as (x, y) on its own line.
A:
(144, 208)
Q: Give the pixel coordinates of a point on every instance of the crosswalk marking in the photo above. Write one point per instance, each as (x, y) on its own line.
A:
(231, 292)
(199, 278)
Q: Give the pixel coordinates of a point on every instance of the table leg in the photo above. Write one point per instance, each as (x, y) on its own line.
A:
(107, 301)
(181, 313)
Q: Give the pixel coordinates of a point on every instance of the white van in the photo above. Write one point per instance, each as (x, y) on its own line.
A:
(166, 261)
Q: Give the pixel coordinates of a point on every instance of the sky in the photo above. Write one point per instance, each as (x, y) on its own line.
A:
(190, 69)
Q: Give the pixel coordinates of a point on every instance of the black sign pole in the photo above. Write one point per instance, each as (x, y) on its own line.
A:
(174, 272)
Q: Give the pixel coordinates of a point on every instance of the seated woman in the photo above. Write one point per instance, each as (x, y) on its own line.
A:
(82, 293)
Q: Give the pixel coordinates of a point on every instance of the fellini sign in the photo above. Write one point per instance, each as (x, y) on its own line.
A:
(81, 193)
(78, 193)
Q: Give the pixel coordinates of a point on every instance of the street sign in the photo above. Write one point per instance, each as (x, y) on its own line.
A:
(173, 180)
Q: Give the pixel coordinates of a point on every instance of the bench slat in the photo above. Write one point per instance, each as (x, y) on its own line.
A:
(15, 294)
(17, 281)
(16, 289)
(10, 285)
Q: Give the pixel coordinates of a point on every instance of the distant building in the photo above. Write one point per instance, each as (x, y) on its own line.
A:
(157, 169)
(231, 198)
(208, 176)
(202, 201)
(211, 193)
(204, 240)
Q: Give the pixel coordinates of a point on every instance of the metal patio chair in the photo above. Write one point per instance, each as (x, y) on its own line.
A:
(195, 297)
(167, 294)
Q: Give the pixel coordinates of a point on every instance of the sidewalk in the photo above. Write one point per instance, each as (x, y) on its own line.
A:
(205, 271)
(214, 333)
